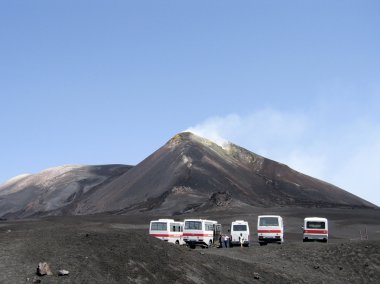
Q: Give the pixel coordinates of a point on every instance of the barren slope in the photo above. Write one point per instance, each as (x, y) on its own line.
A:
(52, 190)
(192, 173)
(187, 174)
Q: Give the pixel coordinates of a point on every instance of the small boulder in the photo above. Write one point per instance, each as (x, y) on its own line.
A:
(256, 275)
(43, 269)
(63, 272)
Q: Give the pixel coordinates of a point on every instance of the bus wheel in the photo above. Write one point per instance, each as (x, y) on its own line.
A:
(177, 242)
(209, 244)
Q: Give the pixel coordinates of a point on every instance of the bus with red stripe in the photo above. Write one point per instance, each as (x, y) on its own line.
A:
(270, 229)
(239, 233)
(167, 230)
(200, 232)
(315, 228)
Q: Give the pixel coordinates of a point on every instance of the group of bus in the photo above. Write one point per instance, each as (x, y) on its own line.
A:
(206, 233)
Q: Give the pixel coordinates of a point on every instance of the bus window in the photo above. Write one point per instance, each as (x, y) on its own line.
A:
(159, 226)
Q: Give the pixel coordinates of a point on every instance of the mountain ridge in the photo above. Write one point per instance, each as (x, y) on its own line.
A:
(188, 173)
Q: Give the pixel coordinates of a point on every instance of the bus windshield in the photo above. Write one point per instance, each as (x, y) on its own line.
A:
(239, 228)
(315, 225)
(268, 221)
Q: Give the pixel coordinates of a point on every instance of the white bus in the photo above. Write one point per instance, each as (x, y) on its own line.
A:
(167, 230)
(315, 228)
(270, 229)
(239, 230)
(200, 232)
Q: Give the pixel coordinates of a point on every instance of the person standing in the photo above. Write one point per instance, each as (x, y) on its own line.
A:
(226, 241)
(241, 239)
(221, 240)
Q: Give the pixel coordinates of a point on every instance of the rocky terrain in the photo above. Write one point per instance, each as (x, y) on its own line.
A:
(118, 249)
(187, 174)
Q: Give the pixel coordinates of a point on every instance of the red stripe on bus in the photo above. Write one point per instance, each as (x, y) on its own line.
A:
(269, 231)
(315, 231)
(164, 235)
(196, 235)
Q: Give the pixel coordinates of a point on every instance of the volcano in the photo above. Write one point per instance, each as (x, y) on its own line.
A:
(189, 173)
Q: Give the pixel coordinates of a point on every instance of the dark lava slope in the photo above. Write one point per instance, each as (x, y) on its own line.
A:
(187, 174)
(192, 173)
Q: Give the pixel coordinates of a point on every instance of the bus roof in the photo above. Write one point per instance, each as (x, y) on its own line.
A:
(200, 220)
(166, 221)
(315, 219)
(239, 222)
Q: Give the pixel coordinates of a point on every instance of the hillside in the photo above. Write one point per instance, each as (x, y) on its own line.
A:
(51, 191)
(192, 173)
(187, 174)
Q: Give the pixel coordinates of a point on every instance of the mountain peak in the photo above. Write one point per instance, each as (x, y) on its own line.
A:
(188, 136)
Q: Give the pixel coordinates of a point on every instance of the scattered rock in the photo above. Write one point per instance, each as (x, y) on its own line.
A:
(43, 269)
(256, 275)
(63, 272)
(36, 280)
(181, 189)
(221, 198)
(316, 267)
(9, 231)
(340, 267)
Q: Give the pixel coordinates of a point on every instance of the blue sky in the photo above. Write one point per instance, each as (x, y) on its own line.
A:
(100, 82)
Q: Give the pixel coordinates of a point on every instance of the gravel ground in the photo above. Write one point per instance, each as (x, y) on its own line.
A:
(117, 249)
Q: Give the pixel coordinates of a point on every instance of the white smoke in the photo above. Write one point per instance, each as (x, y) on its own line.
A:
(345, 155)
(260, 132)
(211, 129)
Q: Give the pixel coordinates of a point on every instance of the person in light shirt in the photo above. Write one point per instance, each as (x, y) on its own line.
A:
(226, 241)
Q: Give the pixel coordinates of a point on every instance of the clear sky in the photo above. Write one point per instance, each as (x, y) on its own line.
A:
(101, 82)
